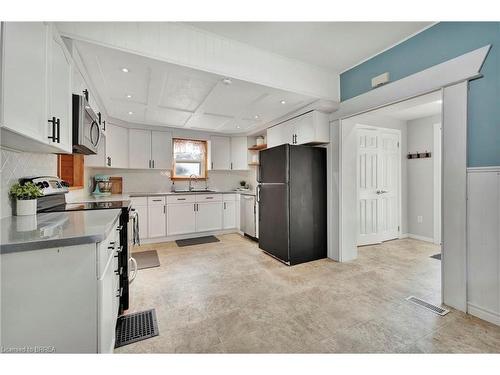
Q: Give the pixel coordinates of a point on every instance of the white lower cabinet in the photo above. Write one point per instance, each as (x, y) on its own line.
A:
(208, 216)
(63, 298)
(179, 214)
(181, 218)
(157, 220)
(229, 220)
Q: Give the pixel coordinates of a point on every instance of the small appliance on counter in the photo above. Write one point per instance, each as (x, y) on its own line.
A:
(103, 185)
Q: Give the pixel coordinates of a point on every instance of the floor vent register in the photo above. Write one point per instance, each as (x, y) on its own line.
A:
(136, 327)
(429, 306)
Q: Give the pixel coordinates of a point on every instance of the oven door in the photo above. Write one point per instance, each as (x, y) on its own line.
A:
(132, 227)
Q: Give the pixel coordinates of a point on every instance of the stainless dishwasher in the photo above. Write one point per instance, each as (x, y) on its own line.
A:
(248, 211)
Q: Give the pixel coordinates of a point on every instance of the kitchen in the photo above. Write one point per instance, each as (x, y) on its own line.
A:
(197, 194)
(167, 183)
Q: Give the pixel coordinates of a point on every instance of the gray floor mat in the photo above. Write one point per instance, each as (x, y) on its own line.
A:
(146, 259)
(197, 241)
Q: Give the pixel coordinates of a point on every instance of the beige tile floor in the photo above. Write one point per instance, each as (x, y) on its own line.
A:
(229, 297)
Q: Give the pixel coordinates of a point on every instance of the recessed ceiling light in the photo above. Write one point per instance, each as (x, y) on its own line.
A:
(283, 102)
(256, 117)
(237, 126)
(131, 113)
(227, 81)
(129, 96)
(439, 101)
(124, 70)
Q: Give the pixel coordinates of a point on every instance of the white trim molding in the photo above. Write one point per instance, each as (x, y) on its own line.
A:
(485, 314)
(452, 77)
(461, 68)
(483, 243)
(420, 238)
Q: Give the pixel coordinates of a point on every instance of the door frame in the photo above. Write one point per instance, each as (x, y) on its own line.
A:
(451, 77)
(399, 168)
(437, 183)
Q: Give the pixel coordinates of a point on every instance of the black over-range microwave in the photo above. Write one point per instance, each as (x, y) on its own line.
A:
(86, 131)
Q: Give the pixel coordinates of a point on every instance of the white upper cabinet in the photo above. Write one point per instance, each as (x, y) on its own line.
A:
(116, 146)
(228, 153)
(24, 79)
(36, 88)
(139, 148)
(220, 153)
(150, 149)
(161, 150)
(60, 103)
(310, 128)
(239, 153)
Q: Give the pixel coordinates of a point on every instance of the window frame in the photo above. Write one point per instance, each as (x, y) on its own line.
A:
(204, 168)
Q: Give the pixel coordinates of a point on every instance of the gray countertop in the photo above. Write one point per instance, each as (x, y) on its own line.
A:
(55, 229)
(145, 194)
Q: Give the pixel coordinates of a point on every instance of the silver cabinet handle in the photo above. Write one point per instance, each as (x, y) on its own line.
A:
(209, 197)
(181, 199)
(381, 192)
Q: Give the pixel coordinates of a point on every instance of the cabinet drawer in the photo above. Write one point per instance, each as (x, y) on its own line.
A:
(229, 197)
(181, 198)
(156, 201)
(209, 198)
(139, 201)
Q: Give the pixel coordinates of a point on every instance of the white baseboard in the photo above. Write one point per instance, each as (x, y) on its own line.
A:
(404, 235)
(485, 314)
(421, 238)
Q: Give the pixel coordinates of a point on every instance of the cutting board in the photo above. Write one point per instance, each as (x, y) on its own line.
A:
(117, 186)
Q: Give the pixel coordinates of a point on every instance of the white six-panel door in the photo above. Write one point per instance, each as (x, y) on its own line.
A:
(378, 185)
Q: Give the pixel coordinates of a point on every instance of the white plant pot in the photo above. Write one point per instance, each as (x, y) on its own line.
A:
(25, 207)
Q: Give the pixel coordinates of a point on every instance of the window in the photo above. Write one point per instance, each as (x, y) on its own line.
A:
(190, 158)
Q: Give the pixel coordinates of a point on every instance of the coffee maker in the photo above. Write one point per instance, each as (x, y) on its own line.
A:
(102, 185)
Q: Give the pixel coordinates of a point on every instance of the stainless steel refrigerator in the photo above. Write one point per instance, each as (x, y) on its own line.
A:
(292, 202)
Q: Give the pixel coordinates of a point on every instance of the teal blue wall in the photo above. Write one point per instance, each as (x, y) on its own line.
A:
(435, 45)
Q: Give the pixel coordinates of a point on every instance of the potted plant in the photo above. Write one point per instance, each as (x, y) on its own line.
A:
(25, 196)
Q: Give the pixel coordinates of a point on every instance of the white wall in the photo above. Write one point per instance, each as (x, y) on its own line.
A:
(483, 243)
(21, 164)
(420, 172)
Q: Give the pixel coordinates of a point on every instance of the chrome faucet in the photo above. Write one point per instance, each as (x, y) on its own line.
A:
(190, 180)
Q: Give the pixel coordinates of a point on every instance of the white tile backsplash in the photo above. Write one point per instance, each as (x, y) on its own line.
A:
(15, 165)
(157, 181)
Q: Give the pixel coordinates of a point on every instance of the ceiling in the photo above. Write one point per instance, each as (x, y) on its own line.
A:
(422, 106)
(170, 95)
(332, 45)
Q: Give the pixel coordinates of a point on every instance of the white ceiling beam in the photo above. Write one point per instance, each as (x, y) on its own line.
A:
(185, 45)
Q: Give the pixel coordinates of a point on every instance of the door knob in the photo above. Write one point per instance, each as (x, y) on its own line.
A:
(381, 192)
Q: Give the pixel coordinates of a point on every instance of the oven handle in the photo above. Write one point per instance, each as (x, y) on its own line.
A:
(131, 279)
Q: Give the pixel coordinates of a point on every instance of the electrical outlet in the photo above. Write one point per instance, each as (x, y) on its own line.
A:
(420, 219)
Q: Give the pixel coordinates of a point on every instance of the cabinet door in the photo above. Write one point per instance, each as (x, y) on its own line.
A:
(106, 314)
(209, 216)
(142, 213)
(181, 218)
(59, 86)
(25, 79)
(280, 134)
(139, 146)
(239, 153)
(220, 153)
(157, 221)
(116, 146)
(161, 150)
(229, 220)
